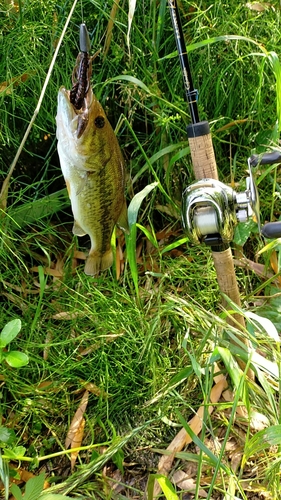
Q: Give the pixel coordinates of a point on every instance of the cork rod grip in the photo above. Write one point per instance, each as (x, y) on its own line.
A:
(202, 151)
(203, 157)
(226, 277)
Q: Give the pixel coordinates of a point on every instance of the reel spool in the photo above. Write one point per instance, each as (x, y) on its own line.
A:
(211, 209)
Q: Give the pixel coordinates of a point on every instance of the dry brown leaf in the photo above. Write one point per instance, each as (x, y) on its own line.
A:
(259, 269)
(182, 438)
(257, 6)
(110, 25)
(236, 458)
(232, 124)
(181, 479)
(7, 86)
(94, 389)
(48, 340)
(16, 300)
(169, 210)
(258, 421)
(77, 254)
(59, 267)
(23, 290)
(24, 475)
(47, 384)
(76, 421)
(76, 442)
(67, 315)
(274, 264)
(108, 338)
(48, 270)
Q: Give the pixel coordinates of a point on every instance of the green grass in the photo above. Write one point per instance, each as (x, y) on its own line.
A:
(147, 341)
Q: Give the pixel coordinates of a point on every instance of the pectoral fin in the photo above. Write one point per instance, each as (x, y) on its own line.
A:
(77, 230)
(123, 219)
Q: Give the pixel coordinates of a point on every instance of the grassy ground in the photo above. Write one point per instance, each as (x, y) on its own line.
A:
(143, 341)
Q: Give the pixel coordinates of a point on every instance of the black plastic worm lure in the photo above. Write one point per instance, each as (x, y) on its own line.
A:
(82, 72)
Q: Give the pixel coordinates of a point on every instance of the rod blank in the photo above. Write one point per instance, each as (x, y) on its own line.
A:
(191, 93)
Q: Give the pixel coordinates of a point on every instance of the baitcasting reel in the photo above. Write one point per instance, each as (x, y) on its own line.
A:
(211, 209)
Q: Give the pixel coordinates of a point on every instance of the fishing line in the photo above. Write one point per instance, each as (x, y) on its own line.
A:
(82, 11)
(5, 185)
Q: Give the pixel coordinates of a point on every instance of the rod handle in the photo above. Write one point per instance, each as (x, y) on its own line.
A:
(226, 276)
(202, 151)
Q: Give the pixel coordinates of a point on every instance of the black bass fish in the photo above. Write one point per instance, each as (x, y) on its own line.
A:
(92, 165)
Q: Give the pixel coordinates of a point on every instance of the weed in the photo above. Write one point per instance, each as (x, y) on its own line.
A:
(145, 339)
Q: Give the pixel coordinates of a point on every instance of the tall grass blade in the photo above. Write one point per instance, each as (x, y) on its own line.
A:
(131, 238)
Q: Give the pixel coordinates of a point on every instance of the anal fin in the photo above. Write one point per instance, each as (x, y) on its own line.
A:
(77, 229)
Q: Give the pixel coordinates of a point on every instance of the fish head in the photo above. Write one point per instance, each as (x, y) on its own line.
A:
(79, 122)
(71, 121)
(84, 129)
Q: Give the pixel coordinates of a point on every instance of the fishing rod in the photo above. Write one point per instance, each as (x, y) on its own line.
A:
(204, 204)
(211, 209)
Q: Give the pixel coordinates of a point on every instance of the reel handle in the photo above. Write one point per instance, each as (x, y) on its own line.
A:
(265, 158)
(271, 230)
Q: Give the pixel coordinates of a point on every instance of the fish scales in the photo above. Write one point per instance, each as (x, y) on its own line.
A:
(93, 168)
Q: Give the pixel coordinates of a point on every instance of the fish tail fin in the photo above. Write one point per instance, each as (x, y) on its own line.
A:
(97, 262)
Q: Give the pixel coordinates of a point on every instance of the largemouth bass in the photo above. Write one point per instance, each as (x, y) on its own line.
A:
(93, 167)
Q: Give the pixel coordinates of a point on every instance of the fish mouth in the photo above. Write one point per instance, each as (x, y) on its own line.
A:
(74, 119)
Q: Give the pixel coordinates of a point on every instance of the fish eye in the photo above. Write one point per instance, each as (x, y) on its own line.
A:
(99, 122)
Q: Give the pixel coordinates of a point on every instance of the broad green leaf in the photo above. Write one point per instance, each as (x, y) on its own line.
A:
(16, 453)
(243, 230)
(231, 365)
(273, 245)
(118, 460)
(34, 487)
(7, 435)
(133, 208)
(272, 309)
(9, 332)
(131, 79)
(131, 239)
(15, 490)
(165, 484)
(17, 359)
(266, 324)
(268, 366)
(262, 440)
